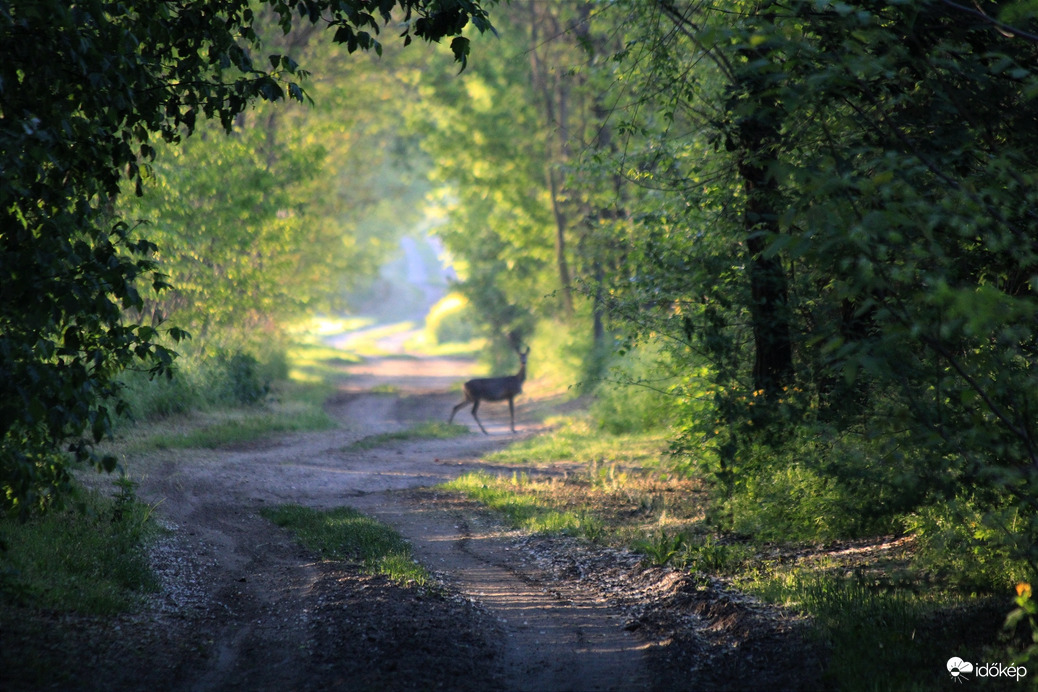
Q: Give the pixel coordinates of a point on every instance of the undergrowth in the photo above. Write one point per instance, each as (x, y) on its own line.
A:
(89, 558)
(913, 631)
(890, 610)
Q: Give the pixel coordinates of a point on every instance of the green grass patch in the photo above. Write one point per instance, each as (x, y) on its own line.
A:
(523, 505)
(432, 430)
(365, 342)
(346, 534)
(314, 363)
(214, 429)
(89, 558)
(578, 439)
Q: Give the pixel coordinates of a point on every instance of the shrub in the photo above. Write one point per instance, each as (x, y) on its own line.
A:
(236, 379)
(635, 397)
(228, 378)
(976, 546)
(451, 320)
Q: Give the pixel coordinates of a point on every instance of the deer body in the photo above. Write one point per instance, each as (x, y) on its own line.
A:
(494, 389)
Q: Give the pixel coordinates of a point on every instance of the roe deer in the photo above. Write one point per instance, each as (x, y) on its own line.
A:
(494, 389)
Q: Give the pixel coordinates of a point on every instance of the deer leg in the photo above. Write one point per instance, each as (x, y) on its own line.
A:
(474, 407)
(511, 410)
(451, 419)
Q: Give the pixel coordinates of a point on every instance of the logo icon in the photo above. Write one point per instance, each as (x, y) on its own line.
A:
(958, 668)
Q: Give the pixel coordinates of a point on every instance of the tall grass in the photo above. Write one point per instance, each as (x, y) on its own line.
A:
(882, 638)
(217, 400)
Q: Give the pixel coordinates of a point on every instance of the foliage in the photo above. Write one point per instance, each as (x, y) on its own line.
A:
(202, 382)
(972, 545)
(89, 558)
(660, 547)
(84, 89)
(346, 534)
(637, 393)
(451, 319)
(833, 224)
(847, 611)
(1026, 611)
(502, 144)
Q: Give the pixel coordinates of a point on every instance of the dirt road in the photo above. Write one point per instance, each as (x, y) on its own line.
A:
(243, 607)
(528, 636)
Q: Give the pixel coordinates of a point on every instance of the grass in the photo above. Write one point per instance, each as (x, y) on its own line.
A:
(613, 489)
(316, 364)
(423, 431)
(522, 503)
(345, 534)
(577, 439)
(214, 429)
(89, 558)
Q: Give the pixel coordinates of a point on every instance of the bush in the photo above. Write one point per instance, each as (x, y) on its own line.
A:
(817, 485)
(236, 379)
(635, 398)
(200, 382)
(975, 547)
(451, 320)
(791, 503)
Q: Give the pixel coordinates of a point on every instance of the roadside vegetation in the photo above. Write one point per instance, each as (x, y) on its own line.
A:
(88, 558)
(901, 583)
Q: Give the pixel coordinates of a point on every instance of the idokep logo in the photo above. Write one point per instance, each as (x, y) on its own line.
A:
(961, 670)
(958, 668)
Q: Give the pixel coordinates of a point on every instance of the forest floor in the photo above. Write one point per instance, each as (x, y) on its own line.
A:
(242, 606)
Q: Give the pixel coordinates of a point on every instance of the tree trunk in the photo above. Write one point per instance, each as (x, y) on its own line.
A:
(555, 101)
(758, 137)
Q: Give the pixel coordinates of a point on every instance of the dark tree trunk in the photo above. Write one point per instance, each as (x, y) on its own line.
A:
(757, 140)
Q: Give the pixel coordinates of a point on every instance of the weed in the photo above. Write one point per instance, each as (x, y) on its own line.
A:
(662, 549)
(713, 557)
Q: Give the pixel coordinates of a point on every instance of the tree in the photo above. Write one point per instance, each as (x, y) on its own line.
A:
(532, 228)
(84, 88)
(272, 221)
(851, 219)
